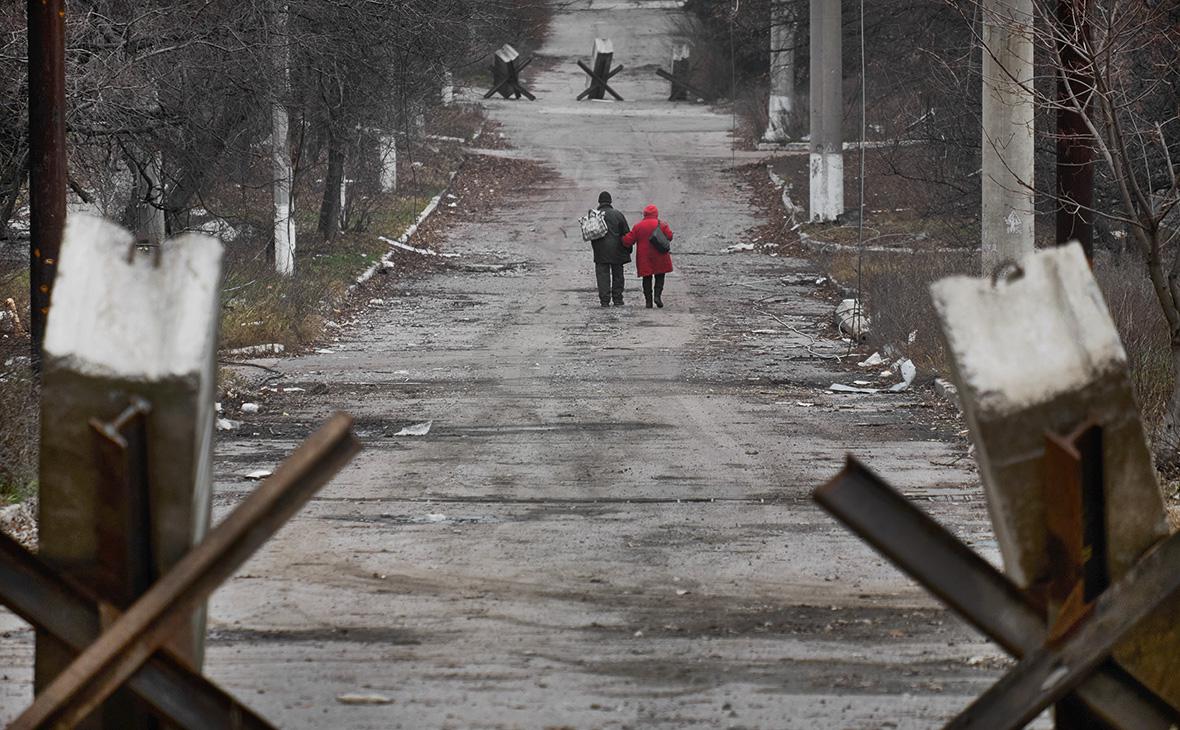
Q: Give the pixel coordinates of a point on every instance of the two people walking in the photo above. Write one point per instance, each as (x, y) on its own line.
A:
(614, 249)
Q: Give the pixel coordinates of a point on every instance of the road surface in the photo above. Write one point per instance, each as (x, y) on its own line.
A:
(608, 524)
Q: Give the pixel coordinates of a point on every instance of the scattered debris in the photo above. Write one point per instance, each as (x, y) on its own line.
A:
(841, 388)
(376, 302)
(418, 429)
(272, 348)
(19, 521)
(735, 248)
(9, 319)
(852, 320)
(363, 699)
(908, 373)
(227, 424)
(250, 408)
(872, 361)
(258, 474)
(490, 268)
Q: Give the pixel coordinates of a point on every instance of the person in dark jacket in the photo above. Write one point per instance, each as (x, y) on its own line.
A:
(610, 254)
(649, 262)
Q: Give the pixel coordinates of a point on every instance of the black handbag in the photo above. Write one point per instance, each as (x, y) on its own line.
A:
(658, 240)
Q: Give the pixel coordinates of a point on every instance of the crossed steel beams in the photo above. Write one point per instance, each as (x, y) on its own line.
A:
(130, 650)
(598, 82)
(983, 596)
(679, 82)
(510, 83)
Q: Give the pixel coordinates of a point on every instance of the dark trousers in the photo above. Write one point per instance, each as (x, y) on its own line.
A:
(647, 286)
(610, 282)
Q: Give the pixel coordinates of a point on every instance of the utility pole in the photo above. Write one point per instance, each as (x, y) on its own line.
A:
(1075, 155)
(783, 29)
(1007, 179)
(827, 101)
(47, 157)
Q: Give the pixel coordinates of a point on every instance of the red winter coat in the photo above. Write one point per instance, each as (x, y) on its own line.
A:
(648, 260)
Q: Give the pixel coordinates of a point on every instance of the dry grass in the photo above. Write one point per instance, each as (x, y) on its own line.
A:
(896, 291)
(18, 396)
(261, 307)
(1141, 325)
(19, 431)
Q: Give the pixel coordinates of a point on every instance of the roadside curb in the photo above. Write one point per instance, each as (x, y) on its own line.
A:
(405, 236)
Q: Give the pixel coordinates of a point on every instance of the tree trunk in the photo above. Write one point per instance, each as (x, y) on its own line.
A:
(284, 220)
(144, 214)
(330, 208)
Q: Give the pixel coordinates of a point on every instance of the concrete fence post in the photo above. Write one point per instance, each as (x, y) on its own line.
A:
(128, 325)
(1035, 352)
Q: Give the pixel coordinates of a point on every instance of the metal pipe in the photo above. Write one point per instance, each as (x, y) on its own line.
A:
(47, 157)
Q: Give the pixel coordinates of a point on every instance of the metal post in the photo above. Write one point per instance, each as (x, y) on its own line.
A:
(1075, 156)
(47, 156)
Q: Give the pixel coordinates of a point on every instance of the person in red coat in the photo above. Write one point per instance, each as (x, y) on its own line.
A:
(650, 263)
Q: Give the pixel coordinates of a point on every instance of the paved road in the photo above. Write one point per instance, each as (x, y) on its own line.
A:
(608, 524)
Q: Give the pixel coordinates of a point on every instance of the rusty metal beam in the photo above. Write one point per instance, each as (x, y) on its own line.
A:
(71, 614)
(151, 621)
(1049, 673)
(679, 81)
(599, 81)
(47, 157)
(970, 586)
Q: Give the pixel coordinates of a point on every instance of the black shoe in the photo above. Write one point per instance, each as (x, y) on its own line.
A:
(618, 302)
(605, 304)
(659, 303)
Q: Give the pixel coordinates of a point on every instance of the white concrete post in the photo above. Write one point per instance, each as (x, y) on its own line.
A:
(783, 30)
(1007, 150)
(127, 323)
(1039, 352)
(448, 88)
(827, 100)
(284, 215)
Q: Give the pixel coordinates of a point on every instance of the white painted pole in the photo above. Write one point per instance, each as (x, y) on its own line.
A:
(827, 100)
(284, 219)
(1007, 176)
(783, 31)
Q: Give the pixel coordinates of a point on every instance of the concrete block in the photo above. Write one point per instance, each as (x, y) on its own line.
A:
(1037, 351)
(122, 323)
